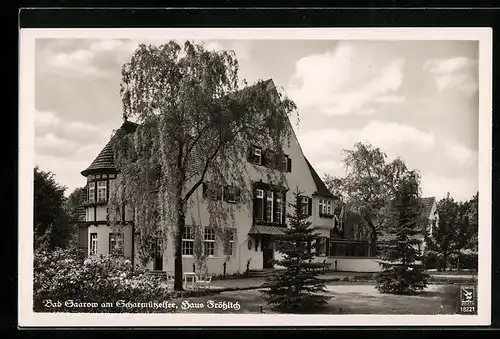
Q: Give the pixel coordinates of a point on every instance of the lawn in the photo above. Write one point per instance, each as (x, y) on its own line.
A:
(346, 299)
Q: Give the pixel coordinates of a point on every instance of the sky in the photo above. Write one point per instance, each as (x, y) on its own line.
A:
(417, 100)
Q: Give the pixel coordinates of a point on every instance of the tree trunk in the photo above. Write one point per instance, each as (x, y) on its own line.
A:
(373, 239)
(178, 281)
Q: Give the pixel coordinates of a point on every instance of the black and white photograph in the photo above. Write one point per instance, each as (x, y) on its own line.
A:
(172, 174)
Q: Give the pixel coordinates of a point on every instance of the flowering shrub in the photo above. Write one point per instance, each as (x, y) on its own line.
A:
(63, 282)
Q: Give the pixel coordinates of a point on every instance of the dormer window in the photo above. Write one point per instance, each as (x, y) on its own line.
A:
(231, 194)
(255, 155)
(325, 208)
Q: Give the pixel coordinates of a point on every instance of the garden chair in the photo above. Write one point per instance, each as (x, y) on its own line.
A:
(170, 278)
(204, 281)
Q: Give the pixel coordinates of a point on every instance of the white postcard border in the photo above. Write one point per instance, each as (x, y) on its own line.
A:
(28, 318)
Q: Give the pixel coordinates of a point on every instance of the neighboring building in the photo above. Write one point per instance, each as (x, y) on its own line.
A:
(350, 248)
(252, 234)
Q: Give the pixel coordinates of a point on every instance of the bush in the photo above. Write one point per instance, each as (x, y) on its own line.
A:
(63, 282)
(430, 260)
(468, 261)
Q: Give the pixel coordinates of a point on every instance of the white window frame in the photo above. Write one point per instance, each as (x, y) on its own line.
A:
(258, 153)
(101, 187)
(188, 230)
(118, 238)
(91, 188)
(284, 163)
(235, 193)
(93, 244)
(259, 196)
(279, 202)
(321, 206)
(323, 246)
(329, 207)
(305, 204)
(230, 246)
(270, 199)
(210, 240)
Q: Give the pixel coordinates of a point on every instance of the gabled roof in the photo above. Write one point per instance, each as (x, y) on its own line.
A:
(105, 160)
(321, 188)
(428, 202)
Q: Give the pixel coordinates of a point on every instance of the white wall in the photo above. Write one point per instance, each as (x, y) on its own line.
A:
(103, 232)
(354, 264)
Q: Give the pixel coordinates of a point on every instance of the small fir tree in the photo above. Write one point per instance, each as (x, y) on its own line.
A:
(402, 271)
(296, 289)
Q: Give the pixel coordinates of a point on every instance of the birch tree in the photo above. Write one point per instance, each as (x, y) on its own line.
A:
(194, 124)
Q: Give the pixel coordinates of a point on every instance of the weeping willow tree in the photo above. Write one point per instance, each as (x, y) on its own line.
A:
(195, 124)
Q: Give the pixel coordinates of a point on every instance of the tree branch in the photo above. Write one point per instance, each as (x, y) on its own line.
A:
(205, 168)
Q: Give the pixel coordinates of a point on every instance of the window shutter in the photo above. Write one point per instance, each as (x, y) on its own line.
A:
(255, 200)
(284, 207)
(289, 165)
(204, 190)
(264, 206)
(317, 246)
(264, 155)
(250, 153)
(275, 209)
(309, 207)
(327, 247)
(238, 194)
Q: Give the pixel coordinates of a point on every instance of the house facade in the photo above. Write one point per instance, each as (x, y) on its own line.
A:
(252, 231)
(250, 236)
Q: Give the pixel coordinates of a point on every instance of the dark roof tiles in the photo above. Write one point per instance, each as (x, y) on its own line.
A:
(321, 188)
(105, 160)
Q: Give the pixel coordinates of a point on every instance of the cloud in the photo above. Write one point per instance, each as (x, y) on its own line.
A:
(85, 58)
(447, 66)
(51, 144)
(453, 74)
(76, 63)
(242, 49)
(395, 99)
(46, 119)
(460, 188)
(347, 80)
(385, 135)
(324, 147)
(81, 127)
(460, 154)
(67, 170)
(335, 167)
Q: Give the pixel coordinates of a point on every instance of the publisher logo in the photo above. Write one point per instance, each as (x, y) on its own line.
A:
(467, 299)
(467, 296)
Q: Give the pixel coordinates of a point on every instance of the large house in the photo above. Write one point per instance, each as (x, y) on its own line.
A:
(253, 232)
(254, 229)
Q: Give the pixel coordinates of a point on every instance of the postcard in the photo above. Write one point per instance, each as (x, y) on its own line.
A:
(255, 177)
